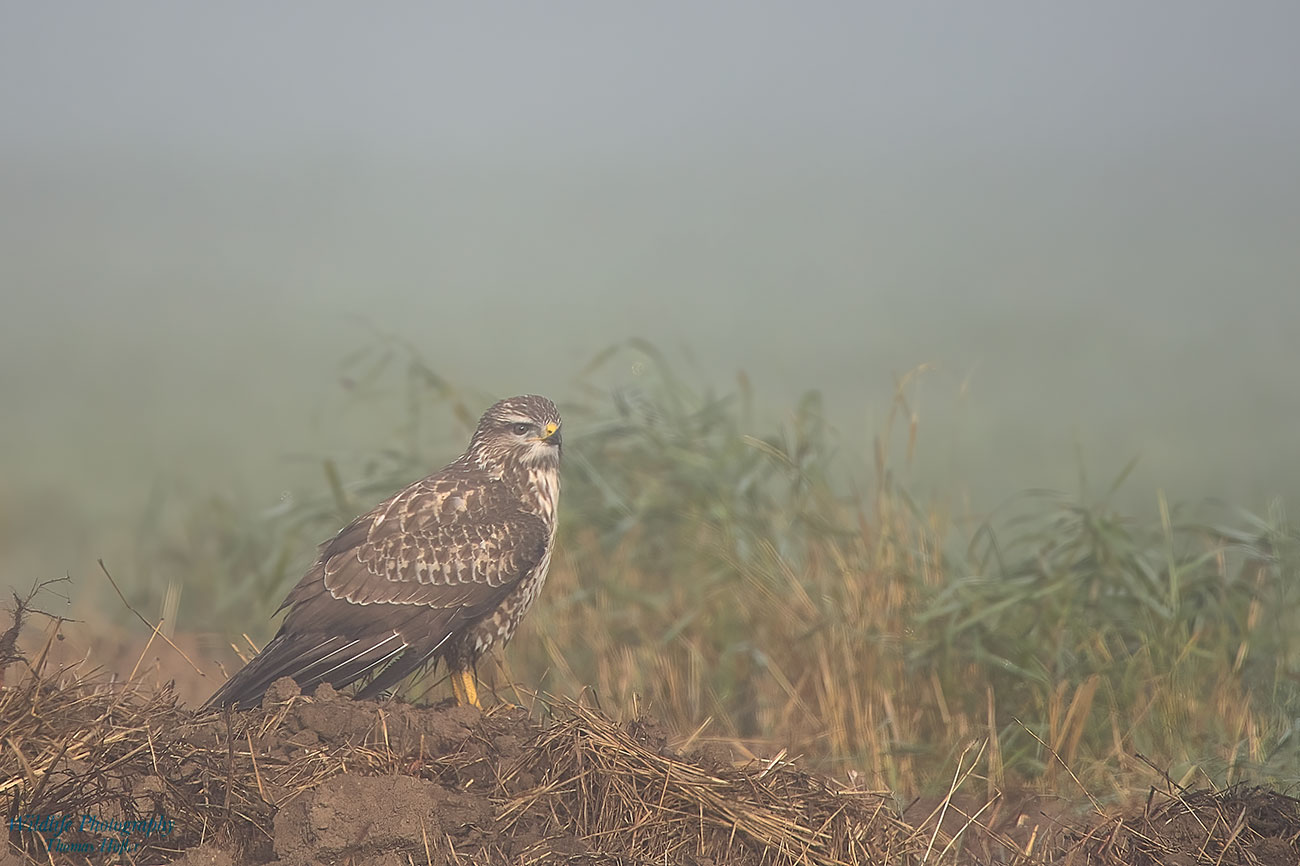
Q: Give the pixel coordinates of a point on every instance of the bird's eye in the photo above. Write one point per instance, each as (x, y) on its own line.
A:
(521, 429)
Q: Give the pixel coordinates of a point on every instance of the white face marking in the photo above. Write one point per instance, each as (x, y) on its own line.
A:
(540, 453)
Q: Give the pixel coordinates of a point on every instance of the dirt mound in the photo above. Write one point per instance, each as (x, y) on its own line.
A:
(1242, 825)
(93, 773)
(328, 779)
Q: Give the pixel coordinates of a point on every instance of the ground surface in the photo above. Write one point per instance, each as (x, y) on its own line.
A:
(325, 779)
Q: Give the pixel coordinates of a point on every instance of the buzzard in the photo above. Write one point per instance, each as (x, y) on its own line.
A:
(441, 570)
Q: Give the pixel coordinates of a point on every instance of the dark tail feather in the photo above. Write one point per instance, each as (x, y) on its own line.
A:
(402, 667)
(310, 660)
(394, 673)
(247, 686)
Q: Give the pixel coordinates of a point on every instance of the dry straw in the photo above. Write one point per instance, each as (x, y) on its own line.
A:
(576, 787)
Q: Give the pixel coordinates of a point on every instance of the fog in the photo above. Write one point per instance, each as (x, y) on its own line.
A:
(1086, 220)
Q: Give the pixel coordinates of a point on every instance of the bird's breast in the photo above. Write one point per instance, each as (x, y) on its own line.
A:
(544, 485)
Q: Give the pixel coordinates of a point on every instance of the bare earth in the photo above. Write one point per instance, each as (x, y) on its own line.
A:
(325, 779)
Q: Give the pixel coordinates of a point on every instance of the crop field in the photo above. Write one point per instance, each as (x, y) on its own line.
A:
(741, 655)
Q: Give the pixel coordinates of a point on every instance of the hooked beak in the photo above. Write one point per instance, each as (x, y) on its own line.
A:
(551, 434)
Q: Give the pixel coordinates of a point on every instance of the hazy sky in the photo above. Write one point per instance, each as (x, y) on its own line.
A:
(1086, 215)
(514, 81)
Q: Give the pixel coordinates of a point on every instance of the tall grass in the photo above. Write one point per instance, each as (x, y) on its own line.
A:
(724, 576)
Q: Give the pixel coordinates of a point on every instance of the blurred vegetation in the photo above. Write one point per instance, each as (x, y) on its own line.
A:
(724, 576)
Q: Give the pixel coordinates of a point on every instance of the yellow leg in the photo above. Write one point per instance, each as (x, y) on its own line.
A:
(462, 685)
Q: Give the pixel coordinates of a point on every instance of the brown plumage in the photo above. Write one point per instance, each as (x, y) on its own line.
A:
(442, 570)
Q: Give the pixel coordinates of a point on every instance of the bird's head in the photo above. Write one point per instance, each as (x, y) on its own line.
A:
(522, 430)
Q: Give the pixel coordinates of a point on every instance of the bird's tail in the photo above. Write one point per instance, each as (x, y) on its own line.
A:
(310, 660)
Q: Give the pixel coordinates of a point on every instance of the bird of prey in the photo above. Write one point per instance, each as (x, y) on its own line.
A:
(441, 570)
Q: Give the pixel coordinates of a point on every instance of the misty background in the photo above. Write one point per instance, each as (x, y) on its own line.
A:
(1085, 217)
